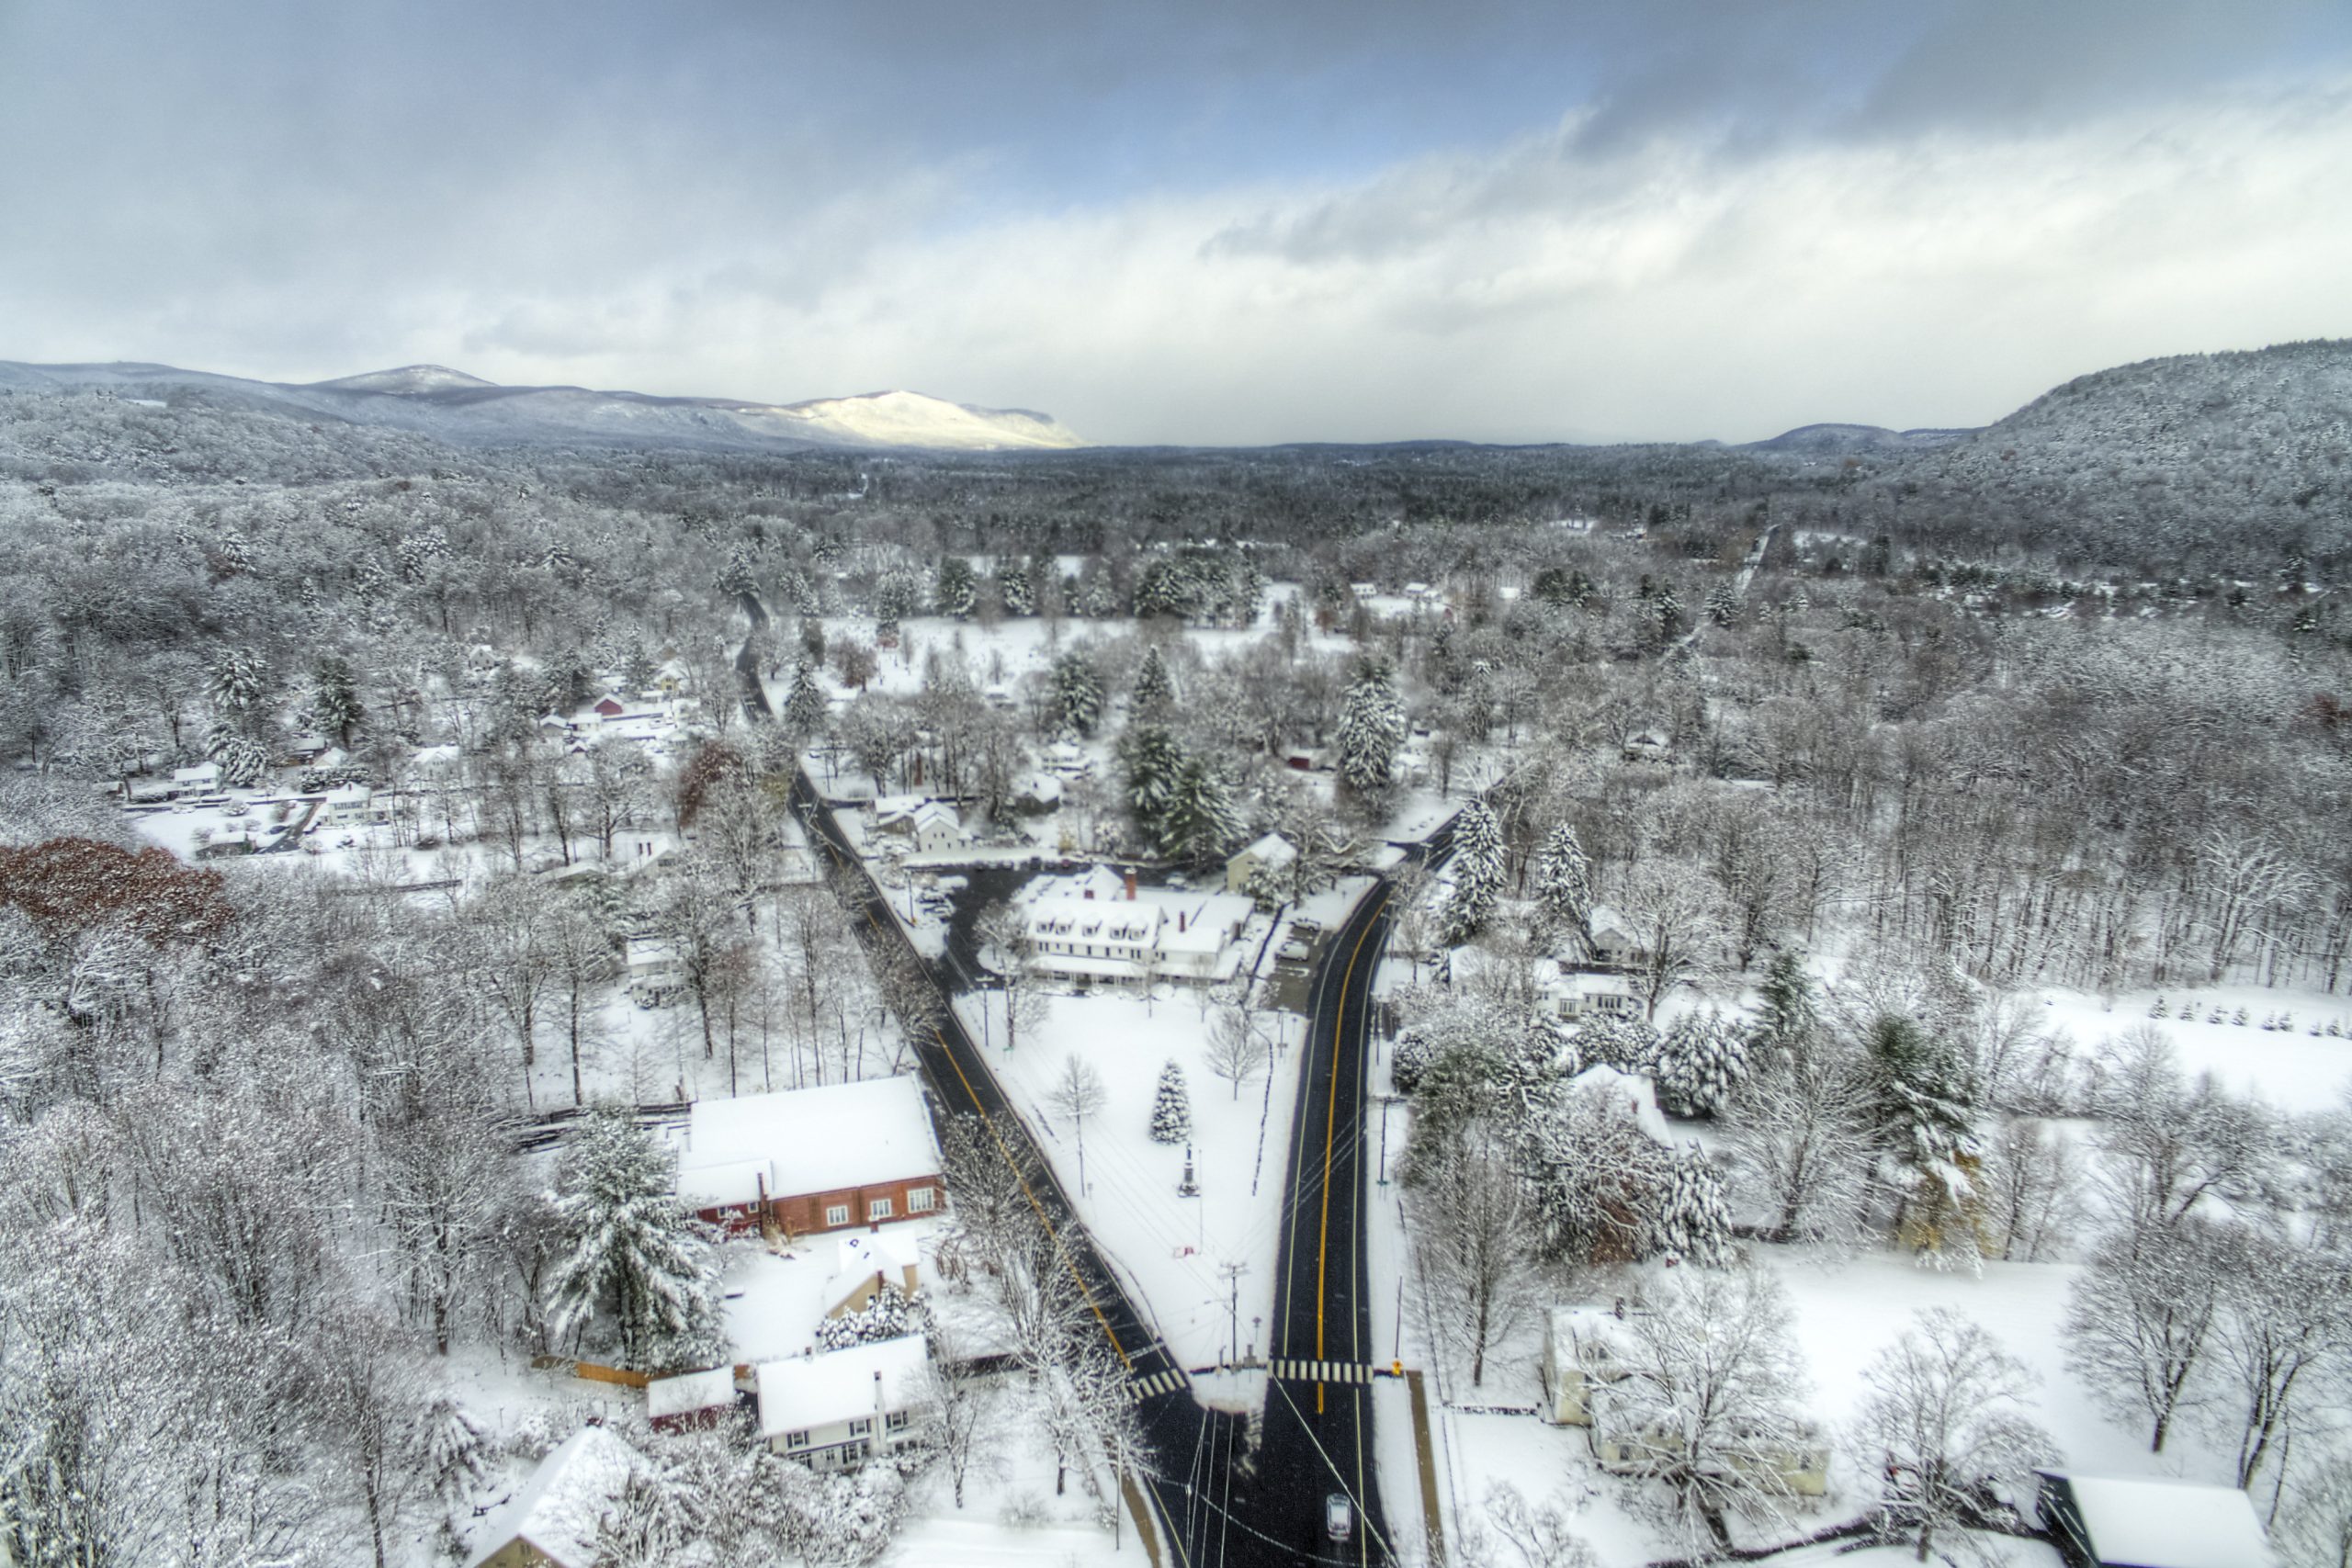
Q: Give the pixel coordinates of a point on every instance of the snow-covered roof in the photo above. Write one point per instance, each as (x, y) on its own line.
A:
(203, 773)
(558, 1510)
(810, 1392)
(1629, 1093)
(897, 804)
(2168, 1524)
(1041, 787)
(1272, 850)
(803, 1141)
(689, 1392)
(868, 1252)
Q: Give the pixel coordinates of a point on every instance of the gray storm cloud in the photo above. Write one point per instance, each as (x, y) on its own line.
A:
(1208, 224)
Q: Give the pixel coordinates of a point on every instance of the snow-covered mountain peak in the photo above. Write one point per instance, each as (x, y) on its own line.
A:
(409, 380)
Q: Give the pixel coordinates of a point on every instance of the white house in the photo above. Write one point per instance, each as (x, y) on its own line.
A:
(1097, 927)
(555, 1518)
(1583, 1350)
(836, 1411)
(925, 827)
(1797, 1458)
(201, 779)
(1067, 760)
(353, 805)
(1614, 942)
(1592, 995)
(1273, 853)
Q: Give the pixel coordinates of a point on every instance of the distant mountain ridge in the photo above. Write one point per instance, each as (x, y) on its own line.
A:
(450, 405)
(1841, 440)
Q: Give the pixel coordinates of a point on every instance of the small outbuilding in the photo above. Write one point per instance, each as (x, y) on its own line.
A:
(2099, 1522)
(690, 1401)
(555, 1520)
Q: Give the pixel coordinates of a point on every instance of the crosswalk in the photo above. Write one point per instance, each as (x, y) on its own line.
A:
(1155, 1384)
(1320, 1372)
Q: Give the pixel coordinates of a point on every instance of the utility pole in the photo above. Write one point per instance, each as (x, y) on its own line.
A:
(1233, 1272)
(1385, 1100)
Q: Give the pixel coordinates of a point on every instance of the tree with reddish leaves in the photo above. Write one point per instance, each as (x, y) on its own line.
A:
(714, 764)
(67, 887)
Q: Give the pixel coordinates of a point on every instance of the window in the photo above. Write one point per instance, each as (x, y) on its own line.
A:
(919, 1199)
(862, 1427)
(895, 1421)
(880, 1209)
(795, 1439)
(837, 1215)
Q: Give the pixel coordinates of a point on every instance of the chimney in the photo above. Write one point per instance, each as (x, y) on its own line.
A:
(1089, 894)
(878, 1391)
(1179, 922)
(1131, 884)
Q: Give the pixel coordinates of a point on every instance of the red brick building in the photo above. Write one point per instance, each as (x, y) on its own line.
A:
(814, 1159)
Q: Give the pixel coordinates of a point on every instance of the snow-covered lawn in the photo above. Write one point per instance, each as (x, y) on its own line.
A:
(1170, 1247)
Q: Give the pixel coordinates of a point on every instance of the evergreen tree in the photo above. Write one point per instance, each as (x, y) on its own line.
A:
(957, 589)
(1925, 1093)
(1790, 1017)
(335, 698)
(1692, 1222)
(1248, 592)
(1699, 1061)
(1371, 726)
(1200, 822)
(238, 684)
(1723, 604)
(1078, 693)
(1563, 886)
(638, 669)
(1154, 691)
(805, 707)
(241, 759)
(897, 595)
(889, 1313)
(1014, 589)
(1154, 764)
(630, 1249)
(1476, 870)
(1171, 1108)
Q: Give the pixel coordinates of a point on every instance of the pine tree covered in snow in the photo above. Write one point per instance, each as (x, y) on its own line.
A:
(957, 589)
(804, 708)
(1154, 690)
(1078, 693)
(241, 760)
(1692, 1222)
(630, 1251)
(1476, 870)
(1790, 1017)
(1371, 726)
(1699, 1061)
(891, 1313)
(1925, 1092)
(1564, 884)
(1200, 822)
(1014, 589)
(238, 681)
(1154, 765)
(1628, 1043)
(1171, 1108)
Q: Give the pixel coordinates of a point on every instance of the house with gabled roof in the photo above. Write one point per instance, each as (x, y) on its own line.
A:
(554, 1521)
(836, 1410)
(807, 1160)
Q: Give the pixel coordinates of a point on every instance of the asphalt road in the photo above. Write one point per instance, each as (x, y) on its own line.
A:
(1232, 1493)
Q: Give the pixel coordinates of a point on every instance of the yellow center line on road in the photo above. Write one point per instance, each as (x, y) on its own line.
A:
(1330, 1117)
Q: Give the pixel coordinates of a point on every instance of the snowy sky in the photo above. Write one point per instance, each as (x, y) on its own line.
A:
(1204, 221)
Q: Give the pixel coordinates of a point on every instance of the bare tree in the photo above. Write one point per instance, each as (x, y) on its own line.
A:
(2028, 1182)
(1475, 1221)
(582, 959)
(1944, 1429)
(1800, 1142)
(2282, 1336)
(368, 1406)
(2139, 1319)
(1077, 1092)
(1707, 1409)
(1542, 1534)
(1673, 918)
(1238, 1048)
